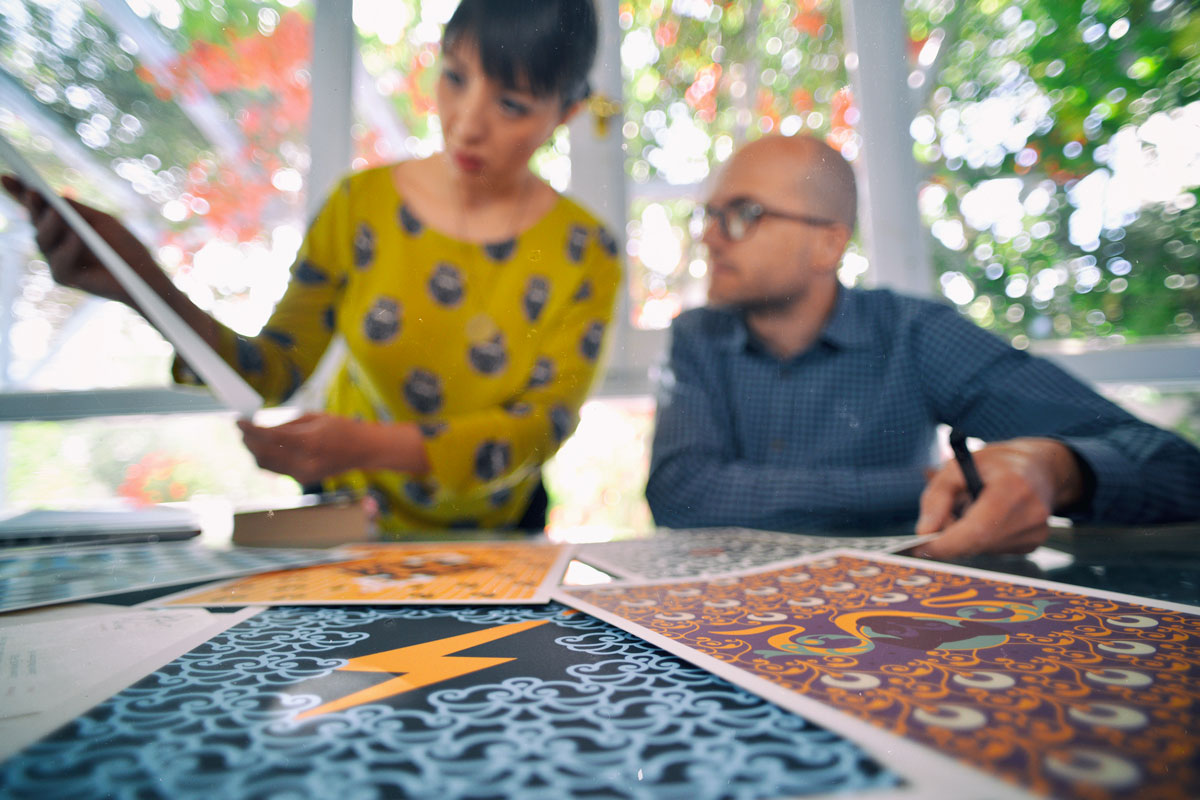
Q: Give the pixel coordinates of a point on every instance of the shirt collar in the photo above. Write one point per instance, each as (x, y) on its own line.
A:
(844, 330)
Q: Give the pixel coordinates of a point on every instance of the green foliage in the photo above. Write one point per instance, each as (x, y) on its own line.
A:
(701, 78)
(76, 464)
(1068, 90)
(80, 74)
(735, 70)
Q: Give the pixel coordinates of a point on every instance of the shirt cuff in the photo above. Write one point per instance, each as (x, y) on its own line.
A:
(1114, 484)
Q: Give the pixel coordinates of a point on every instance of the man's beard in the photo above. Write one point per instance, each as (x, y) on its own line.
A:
(755, 306)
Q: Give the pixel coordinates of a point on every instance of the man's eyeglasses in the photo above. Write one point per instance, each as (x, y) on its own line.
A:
(738, 217)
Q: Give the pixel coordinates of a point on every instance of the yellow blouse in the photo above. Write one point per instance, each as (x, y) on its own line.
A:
(490, 348)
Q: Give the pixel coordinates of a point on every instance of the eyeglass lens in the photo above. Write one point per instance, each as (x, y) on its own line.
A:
(735, 219)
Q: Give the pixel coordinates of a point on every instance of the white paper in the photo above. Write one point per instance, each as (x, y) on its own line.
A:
(52, 671)
(221, 378)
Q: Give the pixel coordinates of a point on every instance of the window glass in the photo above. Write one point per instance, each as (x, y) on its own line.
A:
(1064, 166)
(597, 480)
(188, 121)
(136, 460)
(1058, 141)
(700, 79)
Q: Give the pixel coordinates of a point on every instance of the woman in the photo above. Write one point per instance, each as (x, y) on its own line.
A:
(472, 297)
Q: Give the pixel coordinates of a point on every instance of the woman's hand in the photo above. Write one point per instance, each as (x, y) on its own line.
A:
(1024, 481)
(71, 262)
(317, 446)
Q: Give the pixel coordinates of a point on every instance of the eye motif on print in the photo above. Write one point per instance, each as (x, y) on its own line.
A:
(432, 429)
(519, 409)
(423, 391)
(500, 251)
(593, 337)
(499, 497)
(577, 240)
(421, 573)
(542, 374)
(310, 274)
(537, 292)
(1055, 689)
(607, 240)
(438, 702)
(489, 356)
(364, 246)
(409, 221)
(382, 321)
(492, 458)
(420, 492)
(562, 422)
(447, 285)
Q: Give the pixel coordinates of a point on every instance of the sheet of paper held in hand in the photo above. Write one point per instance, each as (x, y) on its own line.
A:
(225, 383)
(57, 663)
(994, 685)
(416, 573)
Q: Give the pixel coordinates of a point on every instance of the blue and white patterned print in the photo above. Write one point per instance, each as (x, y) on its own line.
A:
(623, 719)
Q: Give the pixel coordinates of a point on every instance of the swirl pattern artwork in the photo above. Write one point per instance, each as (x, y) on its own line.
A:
(685, 553)
(542, 703)
(1057, 690)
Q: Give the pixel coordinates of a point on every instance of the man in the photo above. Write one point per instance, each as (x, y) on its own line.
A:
(793, 403)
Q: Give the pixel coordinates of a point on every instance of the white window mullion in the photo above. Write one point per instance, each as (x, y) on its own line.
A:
(875, 39)
(334, 52)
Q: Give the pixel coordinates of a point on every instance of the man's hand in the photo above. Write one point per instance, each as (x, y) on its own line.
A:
(1024, 482)
(313, 447)
(71, 262)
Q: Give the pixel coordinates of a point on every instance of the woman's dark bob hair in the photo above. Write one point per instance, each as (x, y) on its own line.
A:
(545, 47)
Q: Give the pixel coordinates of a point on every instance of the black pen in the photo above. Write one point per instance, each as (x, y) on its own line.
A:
(958, 443)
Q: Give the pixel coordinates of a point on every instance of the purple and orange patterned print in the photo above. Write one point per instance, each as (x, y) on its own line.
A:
(1060, 691)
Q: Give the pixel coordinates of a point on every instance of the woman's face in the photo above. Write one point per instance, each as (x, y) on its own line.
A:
(490, 131)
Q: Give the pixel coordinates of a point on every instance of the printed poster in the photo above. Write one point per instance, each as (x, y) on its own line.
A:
(538, 703)
(30, 578)
(417, 573)
(1050, 689)
(687, 553)
(57, 663)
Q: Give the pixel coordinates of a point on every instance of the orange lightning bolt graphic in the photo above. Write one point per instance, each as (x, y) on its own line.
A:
(421, 665)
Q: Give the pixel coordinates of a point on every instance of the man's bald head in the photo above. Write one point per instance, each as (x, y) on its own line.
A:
(823, 178)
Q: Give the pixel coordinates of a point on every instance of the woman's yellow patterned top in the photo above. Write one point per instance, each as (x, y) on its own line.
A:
(491, 348)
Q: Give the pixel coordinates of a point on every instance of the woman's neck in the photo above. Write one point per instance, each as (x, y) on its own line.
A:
(483, 210)
(482, 191)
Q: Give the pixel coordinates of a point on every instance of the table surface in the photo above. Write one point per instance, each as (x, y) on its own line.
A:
(603, 714)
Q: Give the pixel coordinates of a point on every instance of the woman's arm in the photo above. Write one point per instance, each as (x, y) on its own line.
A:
(314, 447)
(73, 264)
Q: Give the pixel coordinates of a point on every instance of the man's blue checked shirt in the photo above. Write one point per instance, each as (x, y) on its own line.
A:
(840, 436)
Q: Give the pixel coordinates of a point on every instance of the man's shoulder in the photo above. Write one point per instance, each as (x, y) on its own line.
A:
(891, 305)
(885, 314)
